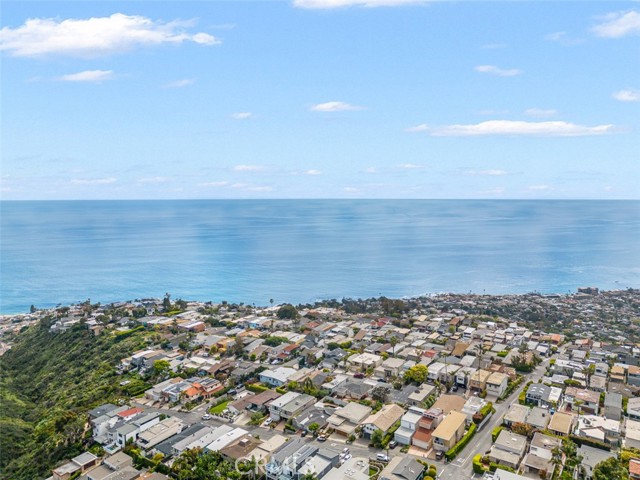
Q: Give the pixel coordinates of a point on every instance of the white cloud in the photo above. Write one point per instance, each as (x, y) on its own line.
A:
(540, 112)
(334, 107)
(423, 127)
(539, 188)
(153, 180)
(251, 188)
(241, 115)
(499, 72)
(185, 82)
(93, 181)
(371, 170)
(411, 166)
(555, 36)
(512, 127)
(95, 76)
(213, 184)
(491, 173)
(628, 95)
(248, 168)
(351, 190)
(94, 37)
(493, 191)
(313, 172)
(619, 24)
(326, 4)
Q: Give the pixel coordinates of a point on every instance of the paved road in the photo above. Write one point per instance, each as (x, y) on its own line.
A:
(461, 468)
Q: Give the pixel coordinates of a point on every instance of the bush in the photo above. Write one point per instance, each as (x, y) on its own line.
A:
(458, 447)
(495, 432)
(591, 443)
(478, 467)
(257, 388)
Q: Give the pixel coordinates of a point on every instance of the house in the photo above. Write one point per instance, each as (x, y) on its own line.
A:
(508, 449)
(408, 425)
(422, 437)
(364, 361)
(633, 375)
(166, 447)
(240, 448)
(450, 431)
(634, 469)
(581, 400)
(346, 419)
(633, 408)
(613, 406)
(592, 457)
(159, 432)
(276, 404)
(296, 405)
(516, 414)
(538, 418)
(478, 381)
(602, 429)
(538, 459)
(472, 406)
(118, 466)
(421, 395)
(464, 374)
(278, 377)
(355, 468)
(77, 465)
(632, 434)
(538, 394)
(562, 423)
(402, 468)
(289, 458)
(449, 403)
(382, 420)
(222, 438)
(391, 367)
(261, 401)
(497, 384)
(309, 416)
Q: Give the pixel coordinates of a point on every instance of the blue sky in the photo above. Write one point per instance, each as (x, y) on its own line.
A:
(320, 99)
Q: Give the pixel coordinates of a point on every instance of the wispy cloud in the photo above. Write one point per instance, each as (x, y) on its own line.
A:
(371, 170)
(411, 166)
(96, 36)
(520, 128)
(334, 107)
(185, 82)
(327, 4)
(498, 72)
(93, 76)
(93, 181)
(628, 95)
(313, 172)
(423, 127)
(539, 188)
(241, 115)
(351, 190)
(540, 112)
(153, 180)
(248, 168)
(491, 173)
(214, 184)
(555, 36)
(247, 187)
(618, 24)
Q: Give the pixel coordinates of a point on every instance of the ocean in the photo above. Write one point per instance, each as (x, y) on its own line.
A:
(300, 251)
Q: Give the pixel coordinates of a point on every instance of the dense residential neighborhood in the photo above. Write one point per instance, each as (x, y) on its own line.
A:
(449, 386)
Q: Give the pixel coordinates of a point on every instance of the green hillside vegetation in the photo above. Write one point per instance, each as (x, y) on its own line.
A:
(48, 382)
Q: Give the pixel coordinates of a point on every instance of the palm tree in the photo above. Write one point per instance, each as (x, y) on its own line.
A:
(557, 458)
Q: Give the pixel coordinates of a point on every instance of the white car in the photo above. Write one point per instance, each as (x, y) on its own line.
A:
(268, 422)
(382, 457)
(206, 416)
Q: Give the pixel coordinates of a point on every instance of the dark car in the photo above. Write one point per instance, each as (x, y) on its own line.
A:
(393, 444)
(358, 375)
(304, 433)
(439, 455)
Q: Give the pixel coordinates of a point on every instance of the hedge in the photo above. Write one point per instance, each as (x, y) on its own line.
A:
(256, 388)
(495, 432)
(591, 443)
(478, 467)
(457, 448)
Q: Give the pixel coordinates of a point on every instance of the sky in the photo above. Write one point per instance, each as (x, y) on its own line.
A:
(320, 99)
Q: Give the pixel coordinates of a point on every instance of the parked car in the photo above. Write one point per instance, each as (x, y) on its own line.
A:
(304, 433)
(206, 416)
(439, 455)
(358, 375)
(381, 457)
(268, 422)
(322, 438)
(393, 444)
(345, 450)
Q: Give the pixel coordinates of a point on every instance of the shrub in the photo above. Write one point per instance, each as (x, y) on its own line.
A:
(478, 467)
(257, 388)
(495, 432)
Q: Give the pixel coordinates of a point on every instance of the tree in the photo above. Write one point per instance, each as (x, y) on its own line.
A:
(33, 309)
(609, 469)
(287, 311)
(166, 302)
(416, 374)
(313, 428)
(557, 457)
(160, 367)
(377, 437)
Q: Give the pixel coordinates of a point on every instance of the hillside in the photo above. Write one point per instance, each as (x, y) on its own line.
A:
(48, 381)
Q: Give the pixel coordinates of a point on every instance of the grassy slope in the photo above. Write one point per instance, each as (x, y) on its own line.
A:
(47, 384)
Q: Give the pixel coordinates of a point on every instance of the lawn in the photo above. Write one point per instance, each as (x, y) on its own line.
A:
(219, 408)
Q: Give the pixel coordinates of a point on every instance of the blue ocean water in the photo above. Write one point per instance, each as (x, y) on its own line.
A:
(302, 250)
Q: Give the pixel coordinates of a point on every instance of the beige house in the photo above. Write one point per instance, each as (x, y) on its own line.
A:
(562, 423)
(449, 432)
(497, 384)
(382, 420)
(346, 419)
(478, 381)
